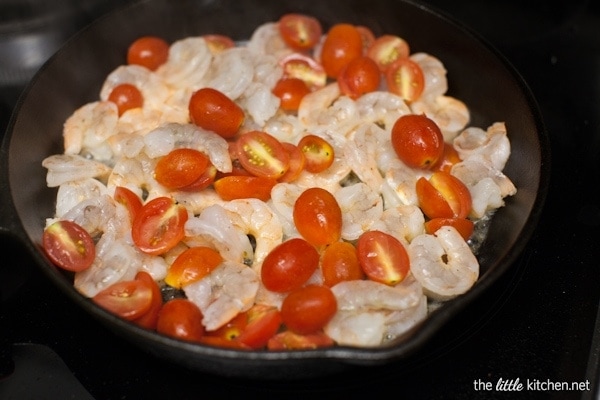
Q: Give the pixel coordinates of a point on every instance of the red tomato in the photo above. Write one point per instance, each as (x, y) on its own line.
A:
(305, 68)
(443, 196)
(219, 341)
(217, 43)
(339, 262)
(368, 37)
(130, 200)
(318, 217)
(158, 227)
(288, 340)
(263, 322)
(150, 318)
(297, 162)
(431, 201)
(69, 246)
(205, 180)
(180, 168)
(212, 110)
(262, 155)
(405, 78)
(308, 309)
(300, 32)
(148, 51)
(418, 141)
(289, 265)
(386, 49)
(462, 225)
(192, 265)
(318, 152)
(244, 187)
(126, 96)
(231, 330)
(447, 160)
(290, 91)
(181, 319)
(382, 257)
(358, 77)
(126, 299)
(342, 44)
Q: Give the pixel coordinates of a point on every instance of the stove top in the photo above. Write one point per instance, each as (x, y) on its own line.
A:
(538, 327)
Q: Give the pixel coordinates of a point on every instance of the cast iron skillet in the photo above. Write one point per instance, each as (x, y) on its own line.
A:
(477, 74)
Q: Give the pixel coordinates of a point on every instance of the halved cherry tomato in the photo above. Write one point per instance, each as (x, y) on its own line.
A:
(318, 152)
(181, 319)
(342, 44)
(149, 319)
(290, 91)
(231, 330)
(405, 78)
(431, 201)
(443, 196)
(417, 140)
(212, 110)
(305, 68)
(192, 265)
(462, 225)
(368, 37)
(148, 51)
(158, 227)
(318, 217)
(297, 162)
(244, 187)
(386, 49)
(358, 77)
(383, 257)
(289, 265)
(447, 160)
(288, 340)
(308, 309)
(218, 341)
(263, 322)
(126, 96)
(126, 299)
(300, 32)
(217, 43)
(205, 180)
(263, 155)
(339, 262)
(69, 246)
(180, 167)
(130, 200)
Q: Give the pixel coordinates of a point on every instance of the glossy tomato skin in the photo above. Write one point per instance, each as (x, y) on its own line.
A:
(386, 49)
(339, 262)
(263, 322)
(342, 44)
(447, 160)
(262, 154)
(289, 265)
(126, 299)
(451, 189)
(431, 201)
(382, 257)
(318, 217)
(159, 226)
(148, 51)
(288, 340)
(180, 168)
(192, 265)
(358, 77)
(181, 319)
(297, 162)
(126, 96)
(290, 92)
(417, 140)
(244, 187)
(69, 246)
(405, 78)
(212, 110)
(464, 226)
(318, 153)
(150, 318)
(308, 309)
(300, 32)
(130, 200)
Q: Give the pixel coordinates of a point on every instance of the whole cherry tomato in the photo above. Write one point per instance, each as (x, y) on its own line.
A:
(244, 187)
(339, 262)
(382, 257)
(159, 226)
(180, 168)
(418, 141)
(300, 32)
(318, 217)
(342, 44)
(148, 51)
(181, 319)
(290, 91)
(308, 309)
(126, 96)
(289, 265)
(69, 246)
(358, 77)
(212, 110)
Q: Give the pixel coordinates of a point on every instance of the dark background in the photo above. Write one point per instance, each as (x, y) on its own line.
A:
(537, 322)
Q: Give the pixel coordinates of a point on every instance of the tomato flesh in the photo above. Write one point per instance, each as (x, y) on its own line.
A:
(318, 217)
(288, 340)
(305, 68)
(308, 309)
(300, 32)
(126, 299)
(263, 322)
(69, 246)
(289, 265)
(192, 265)
(405, 78)
(319, 154)
(386, 49)
(159, 226)
(150, 318)
(262, 155)
(217, 43)
(382, 257)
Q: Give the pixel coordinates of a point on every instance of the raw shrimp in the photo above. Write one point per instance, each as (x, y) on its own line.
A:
(361, 154)
(72, 193)
(187, 65)
(443, 263)
(361, 209)
(196, 202)
(382, 108)
(266, 39)
(285, 127)
(434, 72)
(228, 290)
(99, 214)
(404, 222)
(259, 102)
(136, 174)
(88, 128)
(449, 113)
(64, 168)
(231, 72)
(492, 144)
(315, 104)
(400, 185)
(283, 197)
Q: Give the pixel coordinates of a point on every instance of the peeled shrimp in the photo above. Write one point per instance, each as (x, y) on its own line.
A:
(231, 72)
(314, 104)
(266, 39)
(136, 174)
(63, 168)
(88, 128)
(443, 263)
(361, 209)
(400, 182)
(450, 114)
(228, 290)
(434, 72)
(283, 198)
(382, 108)
(259, 102)
(361, 154)
(404, 222)
(492, 144)
(153, 88)
(72, 193)
(188, 63)
(285, 127)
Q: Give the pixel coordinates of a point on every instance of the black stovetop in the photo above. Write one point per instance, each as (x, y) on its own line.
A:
(537, 324)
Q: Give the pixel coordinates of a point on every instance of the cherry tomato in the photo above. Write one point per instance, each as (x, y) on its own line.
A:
(289, 265)
(447, 160)
(192, 265)
(462, 225)
(130, 200)
(318, 152)
(158, 227)
(300, 32)
(126, 299)
(180, 167)
(212, 110)
(219, 341)
(382, 257)
(290, 91)
(368, 37)
(358, 77)
(263, 155)
(148, 51)
(339, 262)
(205, 180)
(69, 246)
(297, 162)
(181, 319)
(405, 78)
(318, 217)
(126, 96)
(231, 330)
(417, 141)
(308, 309)
(244, 187)
(217, 43)
(342, 44)
(443, 196)
(288, 340)
(149, 319)
(305, 68)
(386, 49)
(263, 322)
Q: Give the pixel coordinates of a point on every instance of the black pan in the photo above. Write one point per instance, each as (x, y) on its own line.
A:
(477, 74)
